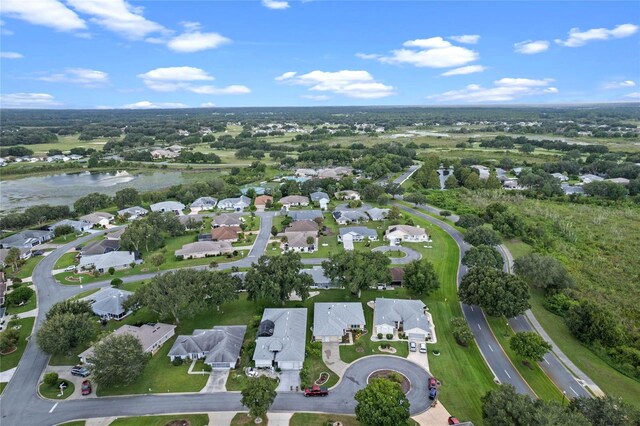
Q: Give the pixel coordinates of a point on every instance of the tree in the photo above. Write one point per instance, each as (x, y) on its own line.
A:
(498, 293)
(156, 260)
(13, 258)
(61, 333)
(420, 277)
(75, 307)
(451, 182)
(372, 192)
(469, 221)
(483, 255)
(63, 230)
(606, 189)
(416, 198)
(275, 278)
(529, 345)
(492, 181)
(91, 202)
(605, 410)
(472, 181)
(19, 296)
(382, 403)
(357, 271)
(461, 331)
(127, 197)
(9, 339)
(394, 213)
(118, 360)
(590, 322)
(258, 395)
(51, 379)
(543, 272)
(481, 235)
(141, 235)
(274, 231)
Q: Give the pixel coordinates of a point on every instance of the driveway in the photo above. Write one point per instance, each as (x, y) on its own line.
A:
(421, 359)
(289, 379)
(410, 254)
(331, 357)
(217, 382)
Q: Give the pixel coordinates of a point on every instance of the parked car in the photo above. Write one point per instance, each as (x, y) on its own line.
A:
(433, 393)
(423, 348)
(86, 387)
(70, 268)
(316, 391)
(412, 346)
(432, 383)
(80, 371)
(37, 253)
(453, 421)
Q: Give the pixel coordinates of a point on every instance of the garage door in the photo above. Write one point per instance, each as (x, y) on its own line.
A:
(417, 337)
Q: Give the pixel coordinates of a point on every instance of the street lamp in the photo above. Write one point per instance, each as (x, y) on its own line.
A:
(564, 395)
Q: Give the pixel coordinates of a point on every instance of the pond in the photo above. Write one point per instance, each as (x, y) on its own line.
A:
(65, 189)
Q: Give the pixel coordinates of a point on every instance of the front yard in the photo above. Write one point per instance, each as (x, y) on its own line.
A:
(193, 419)
(7, 362)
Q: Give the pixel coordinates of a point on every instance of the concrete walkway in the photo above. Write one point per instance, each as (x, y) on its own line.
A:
(221, 418)
(5, 376)
(437, 415)
(100, 421)
(331, 357)
(29, 314)
(279, 419)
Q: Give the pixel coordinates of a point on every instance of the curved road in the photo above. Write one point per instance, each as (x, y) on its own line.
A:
(410, 254)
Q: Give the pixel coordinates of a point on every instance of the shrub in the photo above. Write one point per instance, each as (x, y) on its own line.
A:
(461, 331)
(379, 335)
(445, 213)
(116, 282)
(177, 362)
(559, 303)
(112, 270)
(16, 280)
(19, 295)
(389, 336)
(51, 379)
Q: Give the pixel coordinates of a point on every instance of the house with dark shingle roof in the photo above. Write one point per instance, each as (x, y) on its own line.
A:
(225, 233)
(219, 347)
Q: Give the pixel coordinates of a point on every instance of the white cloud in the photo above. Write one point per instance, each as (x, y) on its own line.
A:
(49, 13)
(27, 100)
(469, 69)
(117, 16)
(531, 47)
(434, 52)
(171, 79)
(83, 76)
(353, 84)
(504, 90)
(619, 84)
(316, 97)
(207, 105)
(194, 41)
(466, 39)
(154, 105)
(275, 4)
(580, 38)
(11, 55)
(633, 95)
(3, 30)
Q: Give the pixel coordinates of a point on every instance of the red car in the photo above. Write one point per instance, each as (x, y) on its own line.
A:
(86, 387)
(453, 421)
(432, 383)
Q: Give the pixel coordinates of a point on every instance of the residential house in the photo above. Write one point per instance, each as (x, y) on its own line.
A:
(305, 214)
(377, 214)
(238, 204)
(133, 213)
(97, 218)
(400, 315)
(100, 247)
(406, 233)
(77, 225)
(177, 148)
(345, 217)
(335, 172)
(303, 226)
(102, 262)
(168, 206)
(202, 249)
(192, 221)
(588, 178)
(26, 239)
(620, 181)
(293, 201)
(301, 242)
(571, 189)
(306, 173)
(219, 347)
(107, 303)
(164, 153)
(115, 235)
(483, 171)
(281, 339)
(397, 276)
(227, 219)
(560, 177)
(348, 195)
(203, 203)
(3, 292)
(261, 202)
(332, 321)
(151, 336)
(320, 279)
(226, 233)
(358, 234)
(321, 198)
(25, 254)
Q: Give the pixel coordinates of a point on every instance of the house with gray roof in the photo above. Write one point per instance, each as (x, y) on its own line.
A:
(133, 213)
(345, 217)
(588, 178)
(97, 218)
(219, 347)
(560, 177)
(347, 194)
(202, 249)
(102, 262)
(301, 242)
(227, 219)
(77, 225)
(358, 234)
(107, 303)
(332, 321)
(25, 254)
(26, 239)
(115, 235)
(322, 198)
(377, 214)
(203, 203)
(293, 201)
(400, 315)
(168, 206)
(237, 204)
(281, 339)
(305, 214)
(100, 247)
(320, 279)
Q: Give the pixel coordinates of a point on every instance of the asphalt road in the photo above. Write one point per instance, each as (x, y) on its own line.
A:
(410, 254)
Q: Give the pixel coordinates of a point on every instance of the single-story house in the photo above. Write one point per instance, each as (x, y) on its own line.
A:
(151, 337)
(261, 202)
(299, 242)
(202, 249)
(168, 206)
(303, 226)
(102, 262)
(219, 347)
(97, 218)
(407, 233)
(560, 177)
(358, 233)
(345, 217)
(377, 214)
(483, 171)
(133, 213)
(306, 172)
(332, 321)
(305, 214)
(77, 225)
(203, 203)
(397, 276)
(620, 181)
(335, 172)
(26, 239)
(227, 219)
(225, 233)
(588, 178)
(107, 303)
(281, 339)
(293, 200)
(320, 279)
(238, 204)
(25, 254)
(100, 247)
(115, 235)
(192, 221)
(572, 189)
(175, 147)
(401, 315)
(348, 195)
(321, 198)
(163, 153)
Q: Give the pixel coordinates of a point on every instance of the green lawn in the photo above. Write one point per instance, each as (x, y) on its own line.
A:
(30, 305)
(76, 423)
(2, 386)
(64, 239)
(26, 270)
(534, 375)
(65, 260)
(11, 360)
(518, 248)
(244, 419)
(312, 419)
(194, 419)
(52, 392)
(85, 294)
(132, 286)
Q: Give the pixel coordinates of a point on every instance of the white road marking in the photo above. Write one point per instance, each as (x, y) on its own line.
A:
(505, 371)
(471, 308)
(547, 361)
(574, 391)
(490, 347)
(56, 404)
(479, 328)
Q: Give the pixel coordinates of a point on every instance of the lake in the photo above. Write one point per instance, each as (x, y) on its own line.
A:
(65, 189)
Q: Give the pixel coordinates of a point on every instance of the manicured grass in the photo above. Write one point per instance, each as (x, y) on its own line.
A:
(133, 286)
(2, 386)
(65, 260)
(26, 270)
(395, 254)
(64, 239)
(7, 362)
(29, 306)
(244, 419)
(70, 360)
(194, 419)
(53, 392)
(518, 248)
(541, 384)
(85, 294)
(76, 423)
(312, 419)
(610, 380)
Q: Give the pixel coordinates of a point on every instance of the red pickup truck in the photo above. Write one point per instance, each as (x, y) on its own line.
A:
(316, 391)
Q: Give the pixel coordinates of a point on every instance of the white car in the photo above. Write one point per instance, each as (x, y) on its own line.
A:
(412, 346)
(70, 268)
(423, 348)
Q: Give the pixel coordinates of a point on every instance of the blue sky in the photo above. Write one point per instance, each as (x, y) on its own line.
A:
(146, 54)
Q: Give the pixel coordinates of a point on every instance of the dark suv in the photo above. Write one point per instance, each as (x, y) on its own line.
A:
(80, 371)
